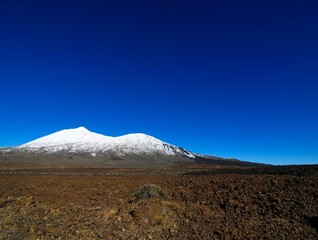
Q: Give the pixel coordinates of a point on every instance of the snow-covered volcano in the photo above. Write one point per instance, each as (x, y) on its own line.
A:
(81, 148)
(81, 140)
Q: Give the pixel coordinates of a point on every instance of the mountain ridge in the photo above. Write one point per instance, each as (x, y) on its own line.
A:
(82, 140)
(79, 147)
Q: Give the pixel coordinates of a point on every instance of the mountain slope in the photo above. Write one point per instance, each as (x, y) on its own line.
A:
(81, 140)
(80, 148)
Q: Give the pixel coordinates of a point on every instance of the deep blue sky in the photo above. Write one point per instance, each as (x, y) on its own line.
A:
(227, 78)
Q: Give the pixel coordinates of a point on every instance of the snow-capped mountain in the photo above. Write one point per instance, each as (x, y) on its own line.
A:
(81, 140)
(81, 148)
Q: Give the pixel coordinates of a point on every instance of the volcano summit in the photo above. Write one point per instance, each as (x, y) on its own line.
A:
(80, 147)
(81, 140)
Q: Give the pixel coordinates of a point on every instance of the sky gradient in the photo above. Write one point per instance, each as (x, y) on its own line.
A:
(226, 78)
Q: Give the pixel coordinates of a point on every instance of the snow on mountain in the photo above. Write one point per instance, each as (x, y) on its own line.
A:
(69, 136)
(81, 140)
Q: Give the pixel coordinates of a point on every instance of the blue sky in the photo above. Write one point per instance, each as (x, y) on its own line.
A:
(227, 78)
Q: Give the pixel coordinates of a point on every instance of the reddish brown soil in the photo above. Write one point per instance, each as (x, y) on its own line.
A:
(225, 206)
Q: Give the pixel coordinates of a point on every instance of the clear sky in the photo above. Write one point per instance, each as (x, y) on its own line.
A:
(227, 78)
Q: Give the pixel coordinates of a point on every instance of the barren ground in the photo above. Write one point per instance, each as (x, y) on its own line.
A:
(97, 204)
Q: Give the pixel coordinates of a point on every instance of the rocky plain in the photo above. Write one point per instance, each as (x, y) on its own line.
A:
(260, 203)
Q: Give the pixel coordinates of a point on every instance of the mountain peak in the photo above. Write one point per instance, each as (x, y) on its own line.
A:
(82, 140)
(68, 136)
(81, 128)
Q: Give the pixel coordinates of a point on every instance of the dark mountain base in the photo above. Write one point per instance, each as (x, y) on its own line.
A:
(28, 160)
(66, 160)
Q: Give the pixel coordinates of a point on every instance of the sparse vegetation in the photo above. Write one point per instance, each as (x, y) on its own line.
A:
(150, 191)
(159, 220)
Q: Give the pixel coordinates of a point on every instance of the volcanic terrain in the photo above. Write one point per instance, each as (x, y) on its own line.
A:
(75, 184)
